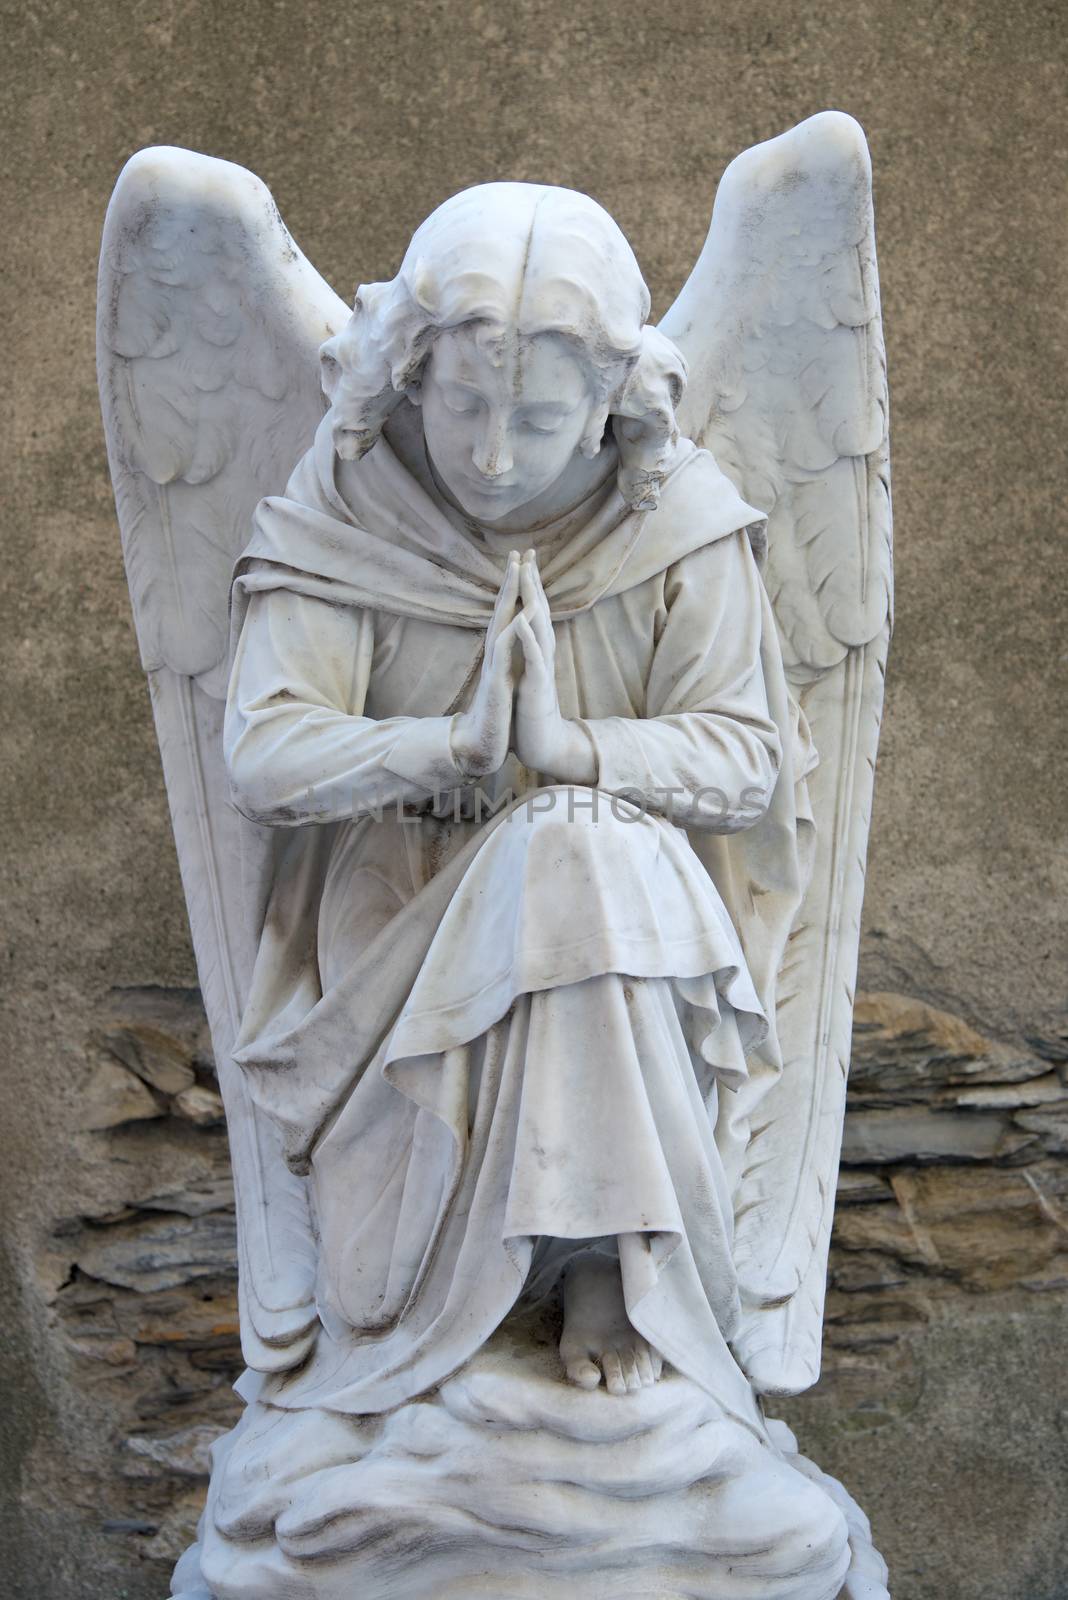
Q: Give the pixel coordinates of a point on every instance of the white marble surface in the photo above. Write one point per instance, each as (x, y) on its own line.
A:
(526, 920)
(507, 1483)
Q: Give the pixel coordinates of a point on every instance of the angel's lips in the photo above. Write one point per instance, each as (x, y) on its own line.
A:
(489, 485)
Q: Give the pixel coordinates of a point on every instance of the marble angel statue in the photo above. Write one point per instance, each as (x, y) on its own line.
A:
(517, 667)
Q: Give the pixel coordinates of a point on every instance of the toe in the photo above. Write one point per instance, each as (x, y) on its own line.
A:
(630, 1371)
(584, 1373)
(644, 1361)
(613, 1373)
(658, 1364)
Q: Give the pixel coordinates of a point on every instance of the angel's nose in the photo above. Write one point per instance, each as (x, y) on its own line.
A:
(492, 456)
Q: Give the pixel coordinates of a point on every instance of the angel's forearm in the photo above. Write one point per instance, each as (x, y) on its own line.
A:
(297, 746)
(700, 769)
(293, 765)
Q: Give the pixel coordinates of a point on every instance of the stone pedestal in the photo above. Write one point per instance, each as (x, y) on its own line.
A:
(508, 1484)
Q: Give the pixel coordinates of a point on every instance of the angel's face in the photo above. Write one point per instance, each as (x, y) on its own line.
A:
(503, 417)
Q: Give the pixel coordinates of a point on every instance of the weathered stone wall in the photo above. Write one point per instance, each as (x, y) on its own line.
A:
(943, 1403)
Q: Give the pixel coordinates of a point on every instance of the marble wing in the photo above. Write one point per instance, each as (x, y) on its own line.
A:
(209, 324)
(780, 325)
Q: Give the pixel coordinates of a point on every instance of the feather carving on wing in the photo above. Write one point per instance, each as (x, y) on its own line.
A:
(208, 331)
(781, 328)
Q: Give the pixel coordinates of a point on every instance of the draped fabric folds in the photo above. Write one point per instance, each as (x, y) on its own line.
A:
(482, 1032)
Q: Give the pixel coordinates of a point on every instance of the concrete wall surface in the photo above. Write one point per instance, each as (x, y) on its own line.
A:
(944, 1406)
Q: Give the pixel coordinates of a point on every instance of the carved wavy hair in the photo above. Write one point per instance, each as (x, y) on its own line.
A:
(530, 259)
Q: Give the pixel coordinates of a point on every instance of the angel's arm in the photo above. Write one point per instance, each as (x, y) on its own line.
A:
(297, 746)
(706, 752)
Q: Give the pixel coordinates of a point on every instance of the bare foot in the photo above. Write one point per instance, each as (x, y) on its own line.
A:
(597, 1337)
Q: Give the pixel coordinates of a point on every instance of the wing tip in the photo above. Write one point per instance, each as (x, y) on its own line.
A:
(171, 170)
(836, 129)
(776, 1369)
(830, 139)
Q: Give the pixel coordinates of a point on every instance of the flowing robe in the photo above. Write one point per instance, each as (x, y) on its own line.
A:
(487, 1036)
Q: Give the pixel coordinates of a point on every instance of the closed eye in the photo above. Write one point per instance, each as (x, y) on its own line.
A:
(546, 419)
(462, 408)
(460, 401)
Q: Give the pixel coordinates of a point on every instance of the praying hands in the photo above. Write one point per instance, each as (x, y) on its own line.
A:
(516, 704)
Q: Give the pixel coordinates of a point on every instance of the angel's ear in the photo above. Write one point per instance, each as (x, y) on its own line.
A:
(644, 420)
(330, 366)
(592, 440)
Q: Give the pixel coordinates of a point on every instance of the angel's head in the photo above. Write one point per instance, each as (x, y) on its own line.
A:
(517, 323)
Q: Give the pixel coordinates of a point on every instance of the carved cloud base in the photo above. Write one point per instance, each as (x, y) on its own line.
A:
(509, 1485)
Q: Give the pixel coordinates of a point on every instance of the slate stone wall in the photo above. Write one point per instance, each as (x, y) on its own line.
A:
(943, 1403)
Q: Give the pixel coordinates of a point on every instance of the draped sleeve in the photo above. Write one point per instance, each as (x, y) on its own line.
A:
(298, 747)
(707, 751)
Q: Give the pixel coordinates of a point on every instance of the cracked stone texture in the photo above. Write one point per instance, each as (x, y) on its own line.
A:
(944, 1406)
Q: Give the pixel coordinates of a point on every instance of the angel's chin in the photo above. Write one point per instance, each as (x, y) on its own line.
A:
(489, 505)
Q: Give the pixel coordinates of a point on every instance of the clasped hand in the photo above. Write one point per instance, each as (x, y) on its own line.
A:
(516, 704)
